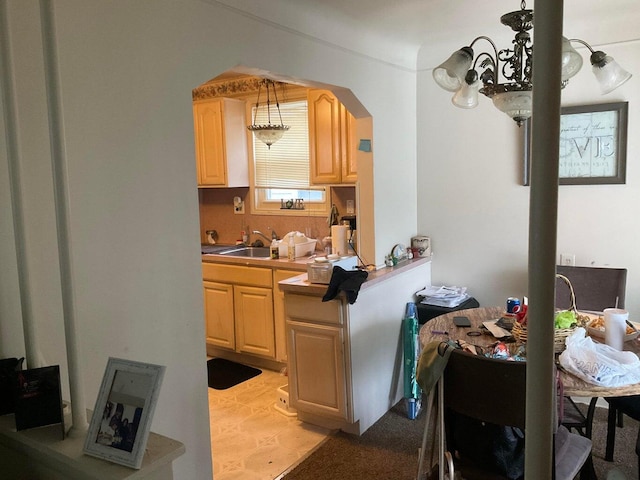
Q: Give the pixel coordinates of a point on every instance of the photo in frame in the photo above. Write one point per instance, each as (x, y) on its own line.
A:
(121, 420)
(593, 145)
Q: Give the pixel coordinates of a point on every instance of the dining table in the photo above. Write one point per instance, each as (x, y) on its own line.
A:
(442, 328)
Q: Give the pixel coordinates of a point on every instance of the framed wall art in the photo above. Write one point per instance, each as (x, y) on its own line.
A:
(593, 145)
(121, 420)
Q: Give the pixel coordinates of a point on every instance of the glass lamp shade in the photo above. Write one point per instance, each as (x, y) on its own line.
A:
(450, 74)
(571, 60)
(517, 104)
(608, 73)
(268, 134)
(467, 95)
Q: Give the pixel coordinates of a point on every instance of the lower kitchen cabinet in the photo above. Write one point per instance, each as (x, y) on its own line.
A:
(253, 308)
(218, 314)
(343, 358)
(319, 386)
(238, 303)
(278, 312)
(316, 333)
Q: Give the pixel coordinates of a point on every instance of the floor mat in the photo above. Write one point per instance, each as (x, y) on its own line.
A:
(225, 373)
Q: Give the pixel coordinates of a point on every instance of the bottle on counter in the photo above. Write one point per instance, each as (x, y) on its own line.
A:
(274, 250)
(291, 248)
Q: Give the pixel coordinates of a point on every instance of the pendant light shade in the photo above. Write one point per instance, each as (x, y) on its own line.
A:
(450, 75)
(467, 95)
(608, 73)
(268, 133)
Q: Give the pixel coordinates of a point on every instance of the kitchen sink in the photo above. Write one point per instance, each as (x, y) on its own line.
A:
(254, 252)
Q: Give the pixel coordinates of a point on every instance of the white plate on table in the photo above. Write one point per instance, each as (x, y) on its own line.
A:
(598, 332)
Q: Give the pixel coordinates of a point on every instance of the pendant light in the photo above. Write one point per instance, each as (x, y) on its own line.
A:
(268, 133)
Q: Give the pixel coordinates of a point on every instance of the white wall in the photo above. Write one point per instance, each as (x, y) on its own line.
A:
(126, 71)
(472, 202)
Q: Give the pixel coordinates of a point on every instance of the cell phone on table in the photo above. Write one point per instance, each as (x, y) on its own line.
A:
(461, 321)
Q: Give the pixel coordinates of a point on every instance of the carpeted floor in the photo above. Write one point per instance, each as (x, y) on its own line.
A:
(389, 451)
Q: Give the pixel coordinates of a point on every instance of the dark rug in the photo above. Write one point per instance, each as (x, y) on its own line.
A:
(225, 373)
(389, 450)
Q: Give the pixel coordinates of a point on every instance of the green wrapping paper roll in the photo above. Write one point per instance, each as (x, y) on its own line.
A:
(411, 347)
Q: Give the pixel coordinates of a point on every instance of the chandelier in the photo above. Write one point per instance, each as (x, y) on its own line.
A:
(506, 74)
(268, 133)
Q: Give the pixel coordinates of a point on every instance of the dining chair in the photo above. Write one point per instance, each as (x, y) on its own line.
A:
(594, 289)
(617, 406)
(493, 391)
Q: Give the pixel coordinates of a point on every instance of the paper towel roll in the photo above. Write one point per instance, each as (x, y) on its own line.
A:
(615, 327)
(339, 239)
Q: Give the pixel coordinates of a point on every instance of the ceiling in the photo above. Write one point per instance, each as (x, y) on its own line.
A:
(394, 31)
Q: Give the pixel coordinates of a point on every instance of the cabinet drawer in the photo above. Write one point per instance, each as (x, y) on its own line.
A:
(252, 276)
(313, 309)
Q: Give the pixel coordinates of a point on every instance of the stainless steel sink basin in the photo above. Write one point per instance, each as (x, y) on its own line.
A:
(253, 252)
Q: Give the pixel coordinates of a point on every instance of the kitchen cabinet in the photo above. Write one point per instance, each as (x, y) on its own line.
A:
(343, 358)
(317, 357)
(332, 142)
(238, 303)
(278, 311)
(221, 143)
(219, 315)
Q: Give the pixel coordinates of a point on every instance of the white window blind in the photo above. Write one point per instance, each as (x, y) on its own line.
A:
(286, 164)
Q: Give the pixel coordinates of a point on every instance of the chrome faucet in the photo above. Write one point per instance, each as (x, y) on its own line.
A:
(274, 236)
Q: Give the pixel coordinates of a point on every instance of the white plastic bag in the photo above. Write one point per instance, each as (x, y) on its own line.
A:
(598, 363)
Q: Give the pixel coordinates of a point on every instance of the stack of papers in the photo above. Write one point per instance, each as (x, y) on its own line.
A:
(443, 296)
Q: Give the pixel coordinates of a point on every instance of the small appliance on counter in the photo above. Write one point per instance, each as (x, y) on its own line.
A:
(320, 270)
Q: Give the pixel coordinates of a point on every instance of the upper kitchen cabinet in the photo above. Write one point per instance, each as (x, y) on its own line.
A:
(221, 143)
(332, 144)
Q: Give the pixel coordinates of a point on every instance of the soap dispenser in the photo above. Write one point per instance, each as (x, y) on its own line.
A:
(291, 248)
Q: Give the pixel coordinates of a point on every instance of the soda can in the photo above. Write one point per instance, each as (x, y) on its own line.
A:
(513, 305)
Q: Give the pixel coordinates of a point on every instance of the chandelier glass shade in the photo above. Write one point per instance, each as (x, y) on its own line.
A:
(505, 75)
(268, 133)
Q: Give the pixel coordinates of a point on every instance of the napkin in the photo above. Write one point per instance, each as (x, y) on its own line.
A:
(495, 330)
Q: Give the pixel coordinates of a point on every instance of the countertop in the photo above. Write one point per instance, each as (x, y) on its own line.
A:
(281, 263)
(301, 284)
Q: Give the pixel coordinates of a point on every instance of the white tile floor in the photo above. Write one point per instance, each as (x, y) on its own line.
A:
(250, 439)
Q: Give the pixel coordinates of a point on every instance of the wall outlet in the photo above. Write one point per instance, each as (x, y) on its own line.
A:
(238, 205)
(351, 209)
(568, 259)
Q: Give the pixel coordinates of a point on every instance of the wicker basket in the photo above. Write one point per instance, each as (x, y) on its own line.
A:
(519, 330)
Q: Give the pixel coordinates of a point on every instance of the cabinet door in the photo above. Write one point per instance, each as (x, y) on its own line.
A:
(317, 381)
(349, 153)
(218, 314)
(210, 142)
(254, 320)
(278, 312)
(324, 137)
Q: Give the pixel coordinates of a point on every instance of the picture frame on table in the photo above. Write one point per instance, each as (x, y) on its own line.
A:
(121, 420)
(593, 145)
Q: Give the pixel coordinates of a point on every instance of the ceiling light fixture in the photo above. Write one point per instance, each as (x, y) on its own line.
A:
(511, 93)
(268, 133)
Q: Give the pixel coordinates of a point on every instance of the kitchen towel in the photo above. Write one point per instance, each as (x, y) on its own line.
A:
(348, 282)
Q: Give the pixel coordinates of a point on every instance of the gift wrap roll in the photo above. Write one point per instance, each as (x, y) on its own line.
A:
(615, 327)
(340, 239)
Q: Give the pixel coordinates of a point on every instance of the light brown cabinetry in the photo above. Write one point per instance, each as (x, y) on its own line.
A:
(317, 357)
(221, 143)
(238, 303)
(278, 312)
(332, 143)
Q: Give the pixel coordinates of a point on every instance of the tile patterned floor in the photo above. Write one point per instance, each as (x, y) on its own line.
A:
(250, 439)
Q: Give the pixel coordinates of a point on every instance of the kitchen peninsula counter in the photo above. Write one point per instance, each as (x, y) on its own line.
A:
(301, 284)
(345, 360)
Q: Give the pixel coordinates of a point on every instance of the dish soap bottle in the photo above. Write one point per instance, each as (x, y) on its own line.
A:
(274, 250)
(291, 248)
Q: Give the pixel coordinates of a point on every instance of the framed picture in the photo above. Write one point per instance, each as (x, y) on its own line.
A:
(593, 145)
(120, 424)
